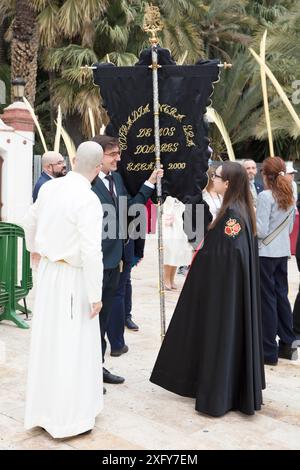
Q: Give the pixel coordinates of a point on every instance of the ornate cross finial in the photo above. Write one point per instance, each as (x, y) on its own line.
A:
(152, 22)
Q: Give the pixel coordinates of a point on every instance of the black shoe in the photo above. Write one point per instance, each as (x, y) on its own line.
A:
(286, 351)
(270, 363)
(131, 325)
(119, 352)
(111, 378)
(182, 270)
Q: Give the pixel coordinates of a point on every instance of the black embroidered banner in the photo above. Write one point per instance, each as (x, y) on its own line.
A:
(184, 93)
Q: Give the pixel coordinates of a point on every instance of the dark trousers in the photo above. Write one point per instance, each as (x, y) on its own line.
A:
(120, 306)
(110, 284)
(275, 305)
(296, 314)
(128, 298)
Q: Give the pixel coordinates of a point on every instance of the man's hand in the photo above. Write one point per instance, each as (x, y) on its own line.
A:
(35, 259)
(156, 174)
(95, 309)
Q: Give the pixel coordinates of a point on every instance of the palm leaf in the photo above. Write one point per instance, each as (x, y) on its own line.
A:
(265, 92)
(92, 121)
(278, 88)
(36, 122)
(69, 145)
(216, 118)
(58, 130)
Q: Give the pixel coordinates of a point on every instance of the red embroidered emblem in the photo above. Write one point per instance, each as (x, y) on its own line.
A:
(232, 228)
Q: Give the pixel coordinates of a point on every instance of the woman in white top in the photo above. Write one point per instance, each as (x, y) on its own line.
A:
(213, 199)
(177, 250)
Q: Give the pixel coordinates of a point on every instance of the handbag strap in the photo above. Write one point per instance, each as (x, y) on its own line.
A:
(269, 238)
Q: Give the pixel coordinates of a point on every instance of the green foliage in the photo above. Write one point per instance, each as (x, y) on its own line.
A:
(4, 86)
(74, 33)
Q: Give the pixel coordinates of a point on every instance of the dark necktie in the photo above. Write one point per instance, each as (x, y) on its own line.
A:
(111, 188)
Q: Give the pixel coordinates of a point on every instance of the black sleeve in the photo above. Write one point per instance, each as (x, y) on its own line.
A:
(195, 231)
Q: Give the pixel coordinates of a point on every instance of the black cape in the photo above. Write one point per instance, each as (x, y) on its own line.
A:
(212, 350)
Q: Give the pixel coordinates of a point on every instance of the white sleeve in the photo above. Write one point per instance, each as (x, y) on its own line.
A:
(263, 212)
(149, 185)
(89, 224)
(29, 226)
(292, 219)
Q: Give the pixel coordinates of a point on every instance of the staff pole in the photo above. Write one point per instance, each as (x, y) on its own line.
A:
(152, 24)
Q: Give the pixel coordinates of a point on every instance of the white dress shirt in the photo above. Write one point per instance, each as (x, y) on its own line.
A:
(106, 182)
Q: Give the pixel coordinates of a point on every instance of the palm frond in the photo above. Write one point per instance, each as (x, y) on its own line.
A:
(121, 59)
(265, 92)
(216, 118)
(278, 88)
(92, 121)
(73, 55)
(7, 8)
(36, 122)
(58, 130)
(48, 24)
(70, 146)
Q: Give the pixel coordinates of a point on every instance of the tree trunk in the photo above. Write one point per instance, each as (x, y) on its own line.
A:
(2, 44)
(24, 48)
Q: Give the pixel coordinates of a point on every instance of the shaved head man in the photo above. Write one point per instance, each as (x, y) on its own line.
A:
(53, 163)
(53, 166)
(64, 228)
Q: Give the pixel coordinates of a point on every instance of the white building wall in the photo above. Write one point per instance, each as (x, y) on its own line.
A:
(16, 149)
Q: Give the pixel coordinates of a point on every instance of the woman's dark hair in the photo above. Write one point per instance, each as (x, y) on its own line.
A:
(237, 195)
(274, 170)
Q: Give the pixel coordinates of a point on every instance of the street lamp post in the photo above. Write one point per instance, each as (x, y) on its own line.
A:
(18, 86)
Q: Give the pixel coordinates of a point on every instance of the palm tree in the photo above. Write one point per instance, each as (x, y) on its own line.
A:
(62, 22)
(24, 47)
(75, 33)
(2, 45)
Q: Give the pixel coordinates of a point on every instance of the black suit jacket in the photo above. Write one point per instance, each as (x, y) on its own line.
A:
(258, 186)
(116, 220)
(42, 179)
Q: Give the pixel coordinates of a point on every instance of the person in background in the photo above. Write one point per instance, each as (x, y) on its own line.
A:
(213, 199)
(177, 250)
(121, 309)
(290, 174)
(138, 255)
(255, 186)
(275, 218)
(53, 166)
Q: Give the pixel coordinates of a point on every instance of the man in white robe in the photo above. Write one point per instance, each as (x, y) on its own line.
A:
(64, 227)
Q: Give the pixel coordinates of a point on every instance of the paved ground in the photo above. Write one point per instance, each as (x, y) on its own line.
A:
(139, 415)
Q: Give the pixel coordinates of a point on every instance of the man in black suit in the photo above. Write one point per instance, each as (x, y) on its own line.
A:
(255, 186)
(53, 166)
(109, 187)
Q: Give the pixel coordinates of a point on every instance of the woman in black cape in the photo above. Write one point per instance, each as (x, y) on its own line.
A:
(212, 350)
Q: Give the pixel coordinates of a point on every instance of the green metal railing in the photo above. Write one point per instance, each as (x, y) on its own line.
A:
(12, 290)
